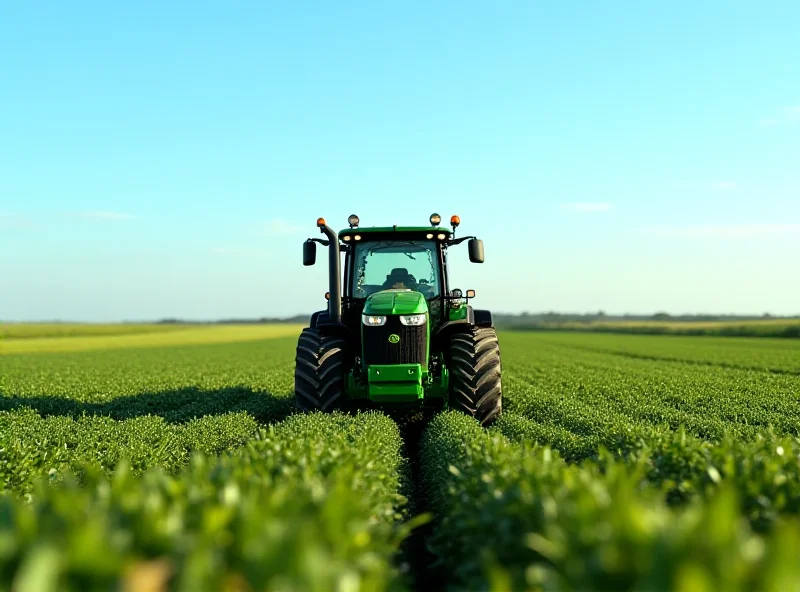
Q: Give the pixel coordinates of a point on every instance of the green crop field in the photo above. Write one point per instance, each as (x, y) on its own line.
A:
(174, 460)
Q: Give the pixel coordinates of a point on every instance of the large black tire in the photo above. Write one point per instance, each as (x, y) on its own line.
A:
(475, 374)
(319, 372)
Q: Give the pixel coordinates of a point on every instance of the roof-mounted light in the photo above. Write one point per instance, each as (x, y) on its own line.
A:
(320, 222)
(353, 221)
(347, 237)
(436, 219)
(455, 221)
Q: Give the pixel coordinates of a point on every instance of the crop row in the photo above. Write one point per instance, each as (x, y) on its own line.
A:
(781, 356)
(313, 503)
(148, 379)
(517, 516)
(765, 471)
(592, 394)
(32, 446)
(688, 422)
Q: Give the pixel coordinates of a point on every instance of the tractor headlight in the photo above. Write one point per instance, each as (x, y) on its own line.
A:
(373, 321)
(412, 320)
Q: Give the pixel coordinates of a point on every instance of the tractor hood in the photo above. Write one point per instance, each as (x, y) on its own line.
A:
(395, 302)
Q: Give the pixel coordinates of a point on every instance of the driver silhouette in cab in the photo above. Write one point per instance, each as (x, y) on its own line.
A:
(399, 278)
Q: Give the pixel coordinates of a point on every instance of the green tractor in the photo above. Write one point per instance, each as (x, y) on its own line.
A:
(395, 334)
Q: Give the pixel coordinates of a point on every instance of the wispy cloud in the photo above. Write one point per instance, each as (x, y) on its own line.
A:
(722, 230)
(586, 207)
(239, 252)
(14, 220)
(790, 114)
(103, 215)
(8, 220)
(279, 226)
(718, 185)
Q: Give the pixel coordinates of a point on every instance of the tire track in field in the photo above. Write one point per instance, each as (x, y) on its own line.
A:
(416, 557)
(662, 358)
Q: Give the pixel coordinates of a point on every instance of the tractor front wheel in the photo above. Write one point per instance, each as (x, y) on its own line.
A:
(319, 372)
(475, 374)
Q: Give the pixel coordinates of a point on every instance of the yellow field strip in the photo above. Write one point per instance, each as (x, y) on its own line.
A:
(182, 336)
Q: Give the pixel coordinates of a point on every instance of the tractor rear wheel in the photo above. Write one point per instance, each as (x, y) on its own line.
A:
(319, 372)
(475, 374)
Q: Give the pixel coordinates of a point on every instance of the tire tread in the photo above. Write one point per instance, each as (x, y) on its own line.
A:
(476, 374)
(319, 371)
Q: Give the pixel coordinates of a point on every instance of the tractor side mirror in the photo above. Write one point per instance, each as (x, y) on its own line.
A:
(309, 253)
(475, 250)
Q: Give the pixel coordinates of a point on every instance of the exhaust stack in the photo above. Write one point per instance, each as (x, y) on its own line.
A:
(334, 272)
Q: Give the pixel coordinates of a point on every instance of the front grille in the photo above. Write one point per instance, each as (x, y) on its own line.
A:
(411, 349)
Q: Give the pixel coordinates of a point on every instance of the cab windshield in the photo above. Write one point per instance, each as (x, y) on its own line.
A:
(383, 265)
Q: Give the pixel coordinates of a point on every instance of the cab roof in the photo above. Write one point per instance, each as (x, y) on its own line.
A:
(376, 232)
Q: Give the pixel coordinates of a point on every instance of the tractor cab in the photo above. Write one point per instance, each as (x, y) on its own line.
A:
(387, 264)
(379, 263)
(392, 317)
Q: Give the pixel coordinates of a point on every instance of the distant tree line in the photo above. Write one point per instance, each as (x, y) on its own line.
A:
(656, 324)
(551, 317)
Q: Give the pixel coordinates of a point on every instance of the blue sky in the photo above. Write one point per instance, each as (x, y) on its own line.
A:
(168, 159)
